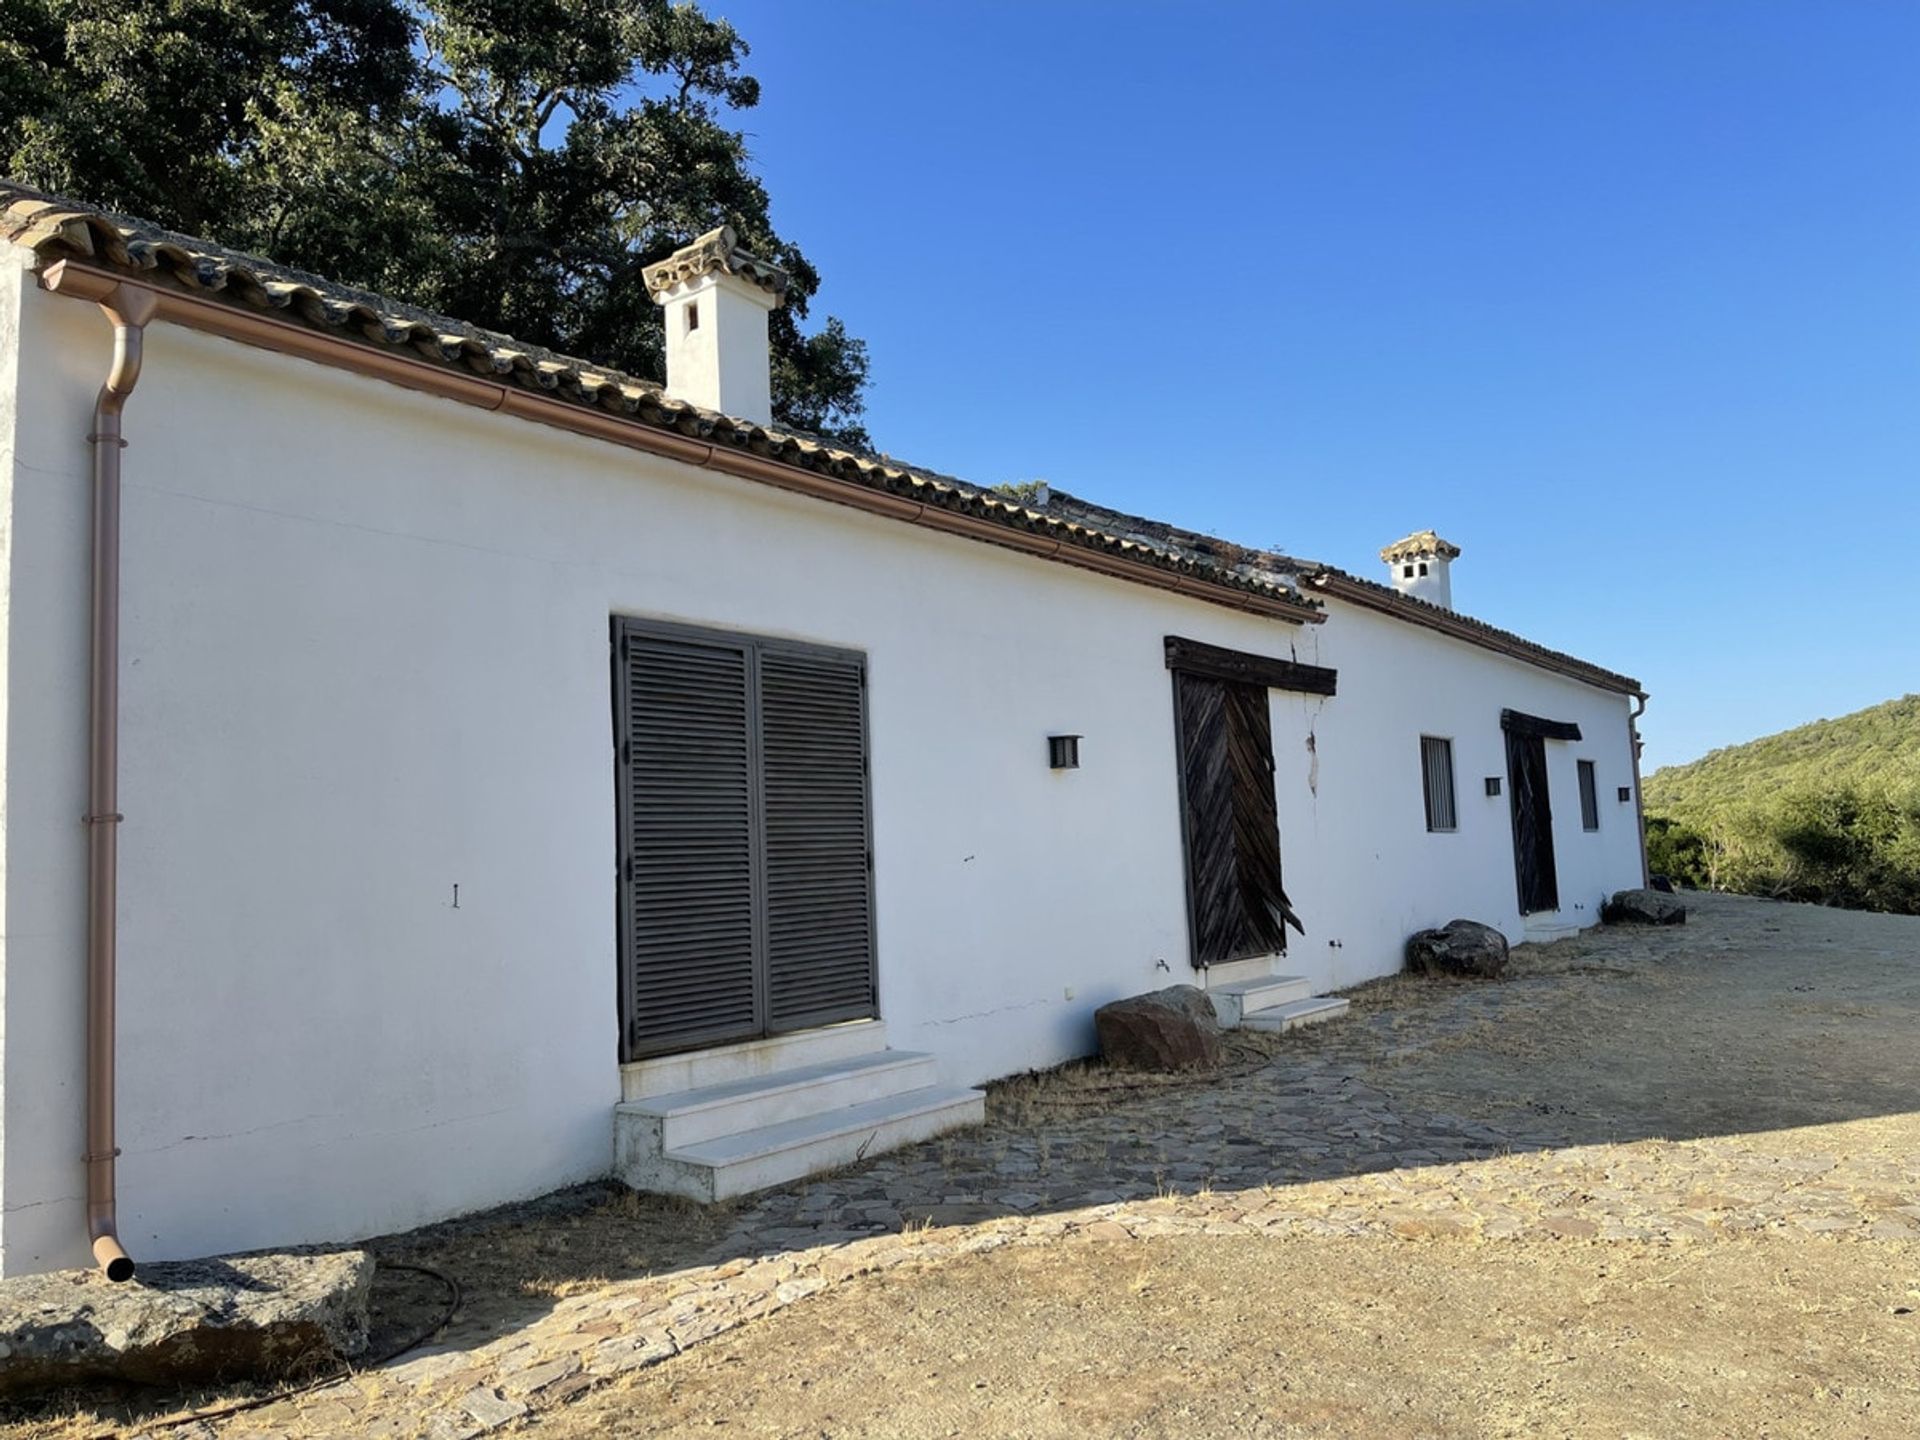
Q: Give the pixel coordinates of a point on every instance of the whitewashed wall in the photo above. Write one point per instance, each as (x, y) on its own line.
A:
(365, 660)
(1360, 865)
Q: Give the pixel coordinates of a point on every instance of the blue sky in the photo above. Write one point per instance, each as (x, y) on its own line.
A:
(1623, 297)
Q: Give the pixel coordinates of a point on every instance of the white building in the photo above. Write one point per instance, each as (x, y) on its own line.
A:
(497, 736)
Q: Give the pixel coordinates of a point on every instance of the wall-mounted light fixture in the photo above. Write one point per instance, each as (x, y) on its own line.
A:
(1063, 752)
(1626, 793)
(1493, 784)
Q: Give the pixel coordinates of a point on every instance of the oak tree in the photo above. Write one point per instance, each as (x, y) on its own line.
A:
(514, 163)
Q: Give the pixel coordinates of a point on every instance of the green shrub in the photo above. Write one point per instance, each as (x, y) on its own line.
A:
(1843, 845)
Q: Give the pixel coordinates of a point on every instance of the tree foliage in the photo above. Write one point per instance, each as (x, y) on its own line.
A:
(515, 163)
(1828, 812)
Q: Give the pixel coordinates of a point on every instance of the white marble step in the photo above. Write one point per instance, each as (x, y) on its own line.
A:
(739, 1164)
(1296, 1013)
(686, 1117)
(1250, 997)
(1546, 929)
(723, 1064)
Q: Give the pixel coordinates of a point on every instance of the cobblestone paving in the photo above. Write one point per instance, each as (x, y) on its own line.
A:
(1311, 1136)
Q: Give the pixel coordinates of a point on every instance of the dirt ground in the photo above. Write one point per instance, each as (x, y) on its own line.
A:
(1757, 1016)
(1195, 1336)
(1654, 1183)
(1793, 1029)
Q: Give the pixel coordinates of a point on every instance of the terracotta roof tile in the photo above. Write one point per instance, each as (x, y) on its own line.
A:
(1317, 576)
(1329, 580)
(1418, 545)
(56, 229)
(716, 251)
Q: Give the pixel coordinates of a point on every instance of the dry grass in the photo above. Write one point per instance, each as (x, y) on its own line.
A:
(1029, 1101)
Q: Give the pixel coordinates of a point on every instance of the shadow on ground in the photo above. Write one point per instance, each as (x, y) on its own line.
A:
(1754, 1017)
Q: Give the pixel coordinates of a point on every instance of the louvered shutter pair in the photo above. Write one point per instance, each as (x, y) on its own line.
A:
(745, 882)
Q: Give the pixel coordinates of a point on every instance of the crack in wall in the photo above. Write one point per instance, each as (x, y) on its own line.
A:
(984, 1014)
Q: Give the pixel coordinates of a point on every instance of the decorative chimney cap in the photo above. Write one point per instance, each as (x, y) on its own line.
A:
(716, 252)
(1421, 545)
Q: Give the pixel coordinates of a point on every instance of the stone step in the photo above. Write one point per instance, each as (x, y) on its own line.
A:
(686, 1117)
(1296, 1013)
(723, 1064)
(1250, 997)
(739, 1164)
(1546, 930)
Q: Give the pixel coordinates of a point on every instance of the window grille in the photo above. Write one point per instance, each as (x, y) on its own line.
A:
(1589, 798)
(1436, 774)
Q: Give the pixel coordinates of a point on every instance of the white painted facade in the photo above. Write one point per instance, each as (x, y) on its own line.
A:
(365, 661)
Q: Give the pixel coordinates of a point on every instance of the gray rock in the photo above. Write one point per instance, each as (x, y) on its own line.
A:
(1460, 947)
(1171, 1029)
(1643, 907)
(184, 1323)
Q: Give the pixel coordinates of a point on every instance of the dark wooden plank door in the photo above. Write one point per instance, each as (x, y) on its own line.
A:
(1235, 904)
(1256, 819)
(1539, 885)
(1216, 917)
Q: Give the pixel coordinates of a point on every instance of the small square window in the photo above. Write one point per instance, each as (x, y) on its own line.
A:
(1423, 567)
(1406, 572)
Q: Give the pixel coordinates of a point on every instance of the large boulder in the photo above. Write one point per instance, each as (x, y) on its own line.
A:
(1643, 907)
(186, 1323)
(1171, 1029)
(1460, 947)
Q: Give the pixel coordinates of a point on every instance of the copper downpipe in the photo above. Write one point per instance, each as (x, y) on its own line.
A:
(129, 308)
(1639, 805)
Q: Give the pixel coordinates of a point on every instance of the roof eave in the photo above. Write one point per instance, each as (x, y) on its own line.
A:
(658, 425)
(1340, 585)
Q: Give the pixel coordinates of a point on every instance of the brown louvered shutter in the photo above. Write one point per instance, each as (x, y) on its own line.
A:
(687, 807)
(819, 913)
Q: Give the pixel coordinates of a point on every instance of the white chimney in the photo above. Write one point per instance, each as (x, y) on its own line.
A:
(717, 299)
(1417, 566)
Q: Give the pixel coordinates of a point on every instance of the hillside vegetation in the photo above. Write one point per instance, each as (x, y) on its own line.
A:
(1827, 812)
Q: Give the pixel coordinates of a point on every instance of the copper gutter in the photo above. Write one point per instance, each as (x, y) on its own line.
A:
(1639, 805)
(288, 337)
(1345, 587)
(129, 308)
